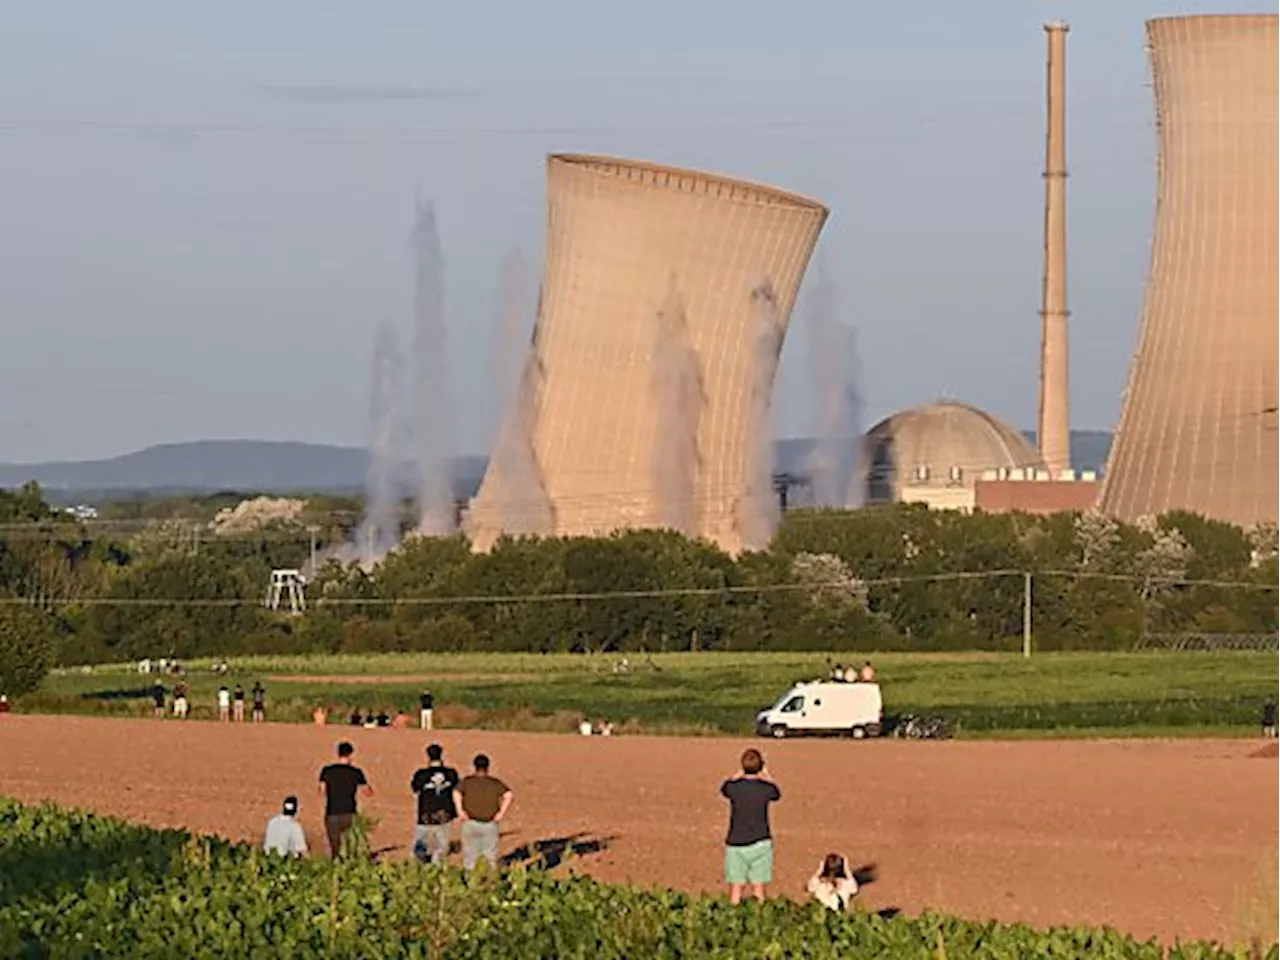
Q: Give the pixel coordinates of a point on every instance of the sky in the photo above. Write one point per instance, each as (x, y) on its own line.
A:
(205, 209)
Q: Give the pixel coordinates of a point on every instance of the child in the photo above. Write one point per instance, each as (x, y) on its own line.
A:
(832, 886)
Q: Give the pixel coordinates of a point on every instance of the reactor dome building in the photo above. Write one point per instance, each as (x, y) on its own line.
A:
(936, 454)
(1197, 429)
(644, 401)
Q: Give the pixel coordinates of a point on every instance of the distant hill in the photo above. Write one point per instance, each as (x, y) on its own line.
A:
(280, 466)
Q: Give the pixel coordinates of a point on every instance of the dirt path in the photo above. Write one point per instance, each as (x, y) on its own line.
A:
(1166, 838)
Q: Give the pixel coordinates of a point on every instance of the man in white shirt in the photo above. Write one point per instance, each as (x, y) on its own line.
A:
(284, 833)
(224, 705)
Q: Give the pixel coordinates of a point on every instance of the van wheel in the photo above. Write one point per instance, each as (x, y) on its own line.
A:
(858, 733)
(778, 731)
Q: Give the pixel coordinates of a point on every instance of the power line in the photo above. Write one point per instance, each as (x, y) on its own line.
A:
(652, 594)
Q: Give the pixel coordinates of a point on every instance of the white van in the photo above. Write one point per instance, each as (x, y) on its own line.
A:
(825, 707)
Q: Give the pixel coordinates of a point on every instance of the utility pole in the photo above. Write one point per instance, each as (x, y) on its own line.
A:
(1026, 614)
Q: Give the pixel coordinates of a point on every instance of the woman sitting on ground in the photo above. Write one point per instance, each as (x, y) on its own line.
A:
(833, 886)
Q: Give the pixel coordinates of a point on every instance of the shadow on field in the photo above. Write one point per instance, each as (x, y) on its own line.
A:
(548, 854)
(869, 873)
(137, 693)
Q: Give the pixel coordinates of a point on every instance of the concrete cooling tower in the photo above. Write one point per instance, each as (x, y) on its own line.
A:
(1198, 427)
(645, 397)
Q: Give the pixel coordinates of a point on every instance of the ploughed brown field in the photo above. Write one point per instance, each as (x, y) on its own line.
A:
(1167, 838)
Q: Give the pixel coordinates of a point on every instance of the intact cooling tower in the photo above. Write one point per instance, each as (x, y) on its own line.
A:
(665, 297)
(1198, 426)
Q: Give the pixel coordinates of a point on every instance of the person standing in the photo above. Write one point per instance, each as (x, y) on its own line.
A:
(157, 700)
(426, 715)
(259, 703)
(748, 852)
(339, 784)
(285, 835)
(238, 701)
(180, 704)
(482, 801)
(434, 784)
(224, 704)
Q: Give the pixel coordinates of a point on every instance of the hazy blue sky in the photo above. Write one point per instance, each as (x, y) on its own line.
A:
(205, 207)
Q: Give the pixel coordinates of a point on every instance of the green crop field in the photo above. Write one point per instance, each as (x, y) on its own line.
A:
(78, 885)
(1061, 694)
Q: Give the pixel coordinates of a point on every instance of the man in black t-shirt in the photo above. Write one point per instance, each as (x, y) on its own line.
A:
(748, 852)
(259, 703)
(237, 701)
(427, 712)
(339, 783)
(157, 699)
(434, 785)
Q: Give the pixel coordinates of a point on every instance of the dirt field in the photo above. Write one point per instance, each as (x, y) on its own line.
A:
(1158, 838)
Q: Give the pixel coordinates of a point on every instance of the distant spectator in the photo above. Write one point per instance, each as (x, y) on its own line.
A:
(384, 719)
(4, 703)
(357, 718)
(584, 727)
(426, 713)
(434, 784)
(370, 719)
(832, 885)
(224, 705)
(339, 784)
(1269, 719)
(400, 721)
(259, 703)
(180, 704)
(748, 855)
(838, 673)
(482, 801)
(868, 673)
(319, 716)
(604, 728)
(285, 835)
(157, 700)
(221, 669)
(238, 704)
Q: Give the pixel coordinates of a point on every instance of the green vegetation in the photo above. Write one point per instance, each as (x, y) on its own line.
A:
(897, 578)
(719, 693)
(77, 885)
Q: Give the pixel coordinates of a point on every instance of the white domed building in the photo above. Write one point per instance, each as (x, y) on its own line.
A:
(936, 453)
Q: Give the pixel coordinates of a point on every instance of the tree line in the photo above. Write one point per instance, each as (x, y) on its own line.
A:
(886, 578)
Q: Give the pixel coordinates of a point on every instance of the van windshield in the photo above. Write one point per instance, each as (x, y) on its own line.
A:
(792, 704)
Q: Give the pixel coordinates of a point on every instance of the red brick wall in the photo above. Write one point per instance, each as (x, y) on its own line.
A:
(1034, 496)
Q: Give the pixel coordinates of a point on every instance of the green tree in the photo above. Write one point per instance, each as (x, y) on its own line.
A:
(28, 644)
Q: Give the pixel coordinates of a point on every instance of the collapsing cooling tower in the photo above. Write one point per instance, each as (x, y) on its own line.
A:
(665, 297)
(1198, 426)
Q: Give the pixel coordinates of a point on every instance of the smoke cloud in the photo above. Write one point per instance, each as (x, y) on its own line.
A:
(679, 399)
(379, 529)
(432, 422)
(833, 367)
(756, 512)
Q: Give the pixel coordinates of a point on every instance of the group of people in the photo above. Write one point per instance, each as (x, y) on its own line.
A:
(477, 802)
(231, 704)
(385, 717)
(748, 852)
(864, 674)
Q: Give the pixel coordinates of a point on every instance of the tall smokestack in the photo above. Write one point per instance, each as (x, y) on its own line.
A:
(1053, 432)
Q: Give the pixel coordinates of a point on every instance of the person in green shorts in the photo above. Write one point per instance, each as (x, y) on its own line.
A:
(748, 851)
